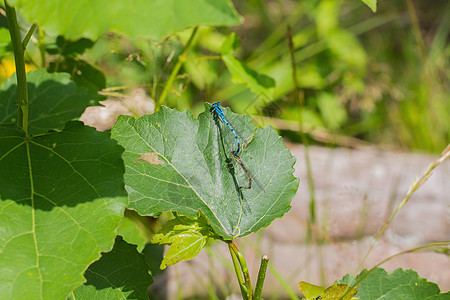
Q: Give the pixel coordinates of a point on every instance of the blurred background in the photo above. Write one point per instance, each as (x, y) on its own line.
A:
(379, 77)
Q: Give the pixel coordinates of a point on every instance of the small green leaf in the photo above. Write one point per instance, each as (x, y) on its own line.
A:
(332, 112)
(195, 173)
(400, 284)
(333, 292)
(134, 18)
(61, 200)
(337, 290)
(240, 73)
(54, 99)
(119, 274)
(327, 18)
(5, 42)
(347, 49)
(73, 47)
(372, 4)
(186, 238)
(83, 74)
(310, 291)
(230, 44)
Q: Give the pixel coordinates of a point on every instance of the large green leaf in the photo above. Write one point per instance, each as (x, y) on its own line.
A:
(400, 284)
(136, 18)
(119, 274)
(62, 198)
(54, 99)
(177, 163)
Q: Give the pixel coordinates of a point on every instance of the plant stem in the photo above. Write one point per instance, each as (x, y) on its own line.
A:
(300, 100)
(176, 69)
(27, 38)
(261, 277)
(240, 266)
(22, 92)
(41, 45)
(238, 273)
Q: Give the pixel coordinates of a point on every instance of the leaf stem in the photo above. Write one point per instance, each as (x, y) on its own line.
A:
(299, 97)
(261, 277)
(176, 69)
(22, 92)
(27, 37)
(41, 45)
(240, 266)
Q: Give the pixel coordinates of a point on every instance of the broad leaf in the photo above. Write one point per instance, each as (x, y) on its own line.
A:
(83, 74)
(258, 83)
(186, 238)
(119, 274)
(400, 284)
(372, 4)
(62, 198)
(65, 47)
(54, 99)
(135, 18)
(177, 163)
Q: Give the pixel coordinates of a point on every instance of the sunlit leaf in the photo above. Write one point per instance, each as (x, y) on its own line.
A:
(258, 83)
(191, 170)
(372, 4)
(310, 291)
(400, 284)
(333, 113)
(135, 18)
(186, 238)
(62, 198)
(333, 292)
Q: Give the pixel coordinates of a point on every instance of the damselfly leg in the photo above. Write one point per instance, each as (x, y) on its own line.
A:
(249, 175)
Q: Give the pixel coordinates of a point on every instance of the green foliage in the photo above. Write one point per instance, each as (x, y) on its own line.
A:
(240, 73)
(400, 284)
(190, 170)
(156, 19)
(333, 113)
(5, 42)
(186, 238)
(119, 274)
(372, 4)
(54, 99)
(62, 199)
(336, 291)
(62, 185)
